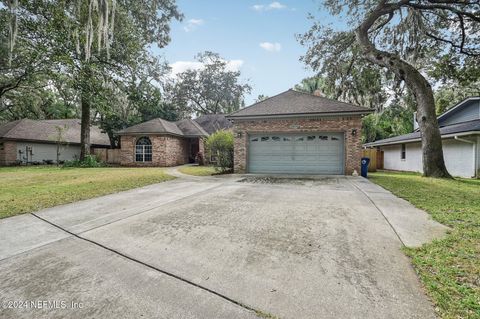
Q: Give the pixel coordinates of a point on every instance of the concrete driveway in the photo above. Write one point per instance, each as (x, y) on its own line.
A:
(227, 247)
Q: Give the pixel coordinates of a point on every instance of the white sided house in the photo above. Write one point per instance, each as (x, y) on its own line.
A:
(44, 141)
(460, 130)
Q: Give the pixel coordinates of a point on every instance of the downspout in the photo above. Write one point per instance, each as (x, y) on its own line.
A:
(474, 144)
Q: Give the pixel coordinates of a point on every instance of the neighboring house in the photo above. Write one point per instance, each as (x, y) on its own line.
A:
(460, 130)
(298, 133)
(159, 142)
(37, 141)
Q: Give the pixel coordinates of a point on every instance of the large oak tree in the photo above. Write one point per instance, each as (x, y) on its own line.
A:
(403, 37)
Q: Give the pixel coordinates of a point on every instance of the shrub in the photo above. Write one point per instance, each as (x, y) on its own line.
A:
(89, 161)
(220, 143)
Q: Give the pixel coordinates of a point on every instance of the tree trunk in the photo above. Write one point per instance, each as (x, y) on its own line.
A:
(85, 128)
(433, 161)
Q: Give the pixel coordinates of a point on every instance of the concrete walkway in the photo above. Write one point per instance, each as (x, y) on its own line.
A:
(220, 247)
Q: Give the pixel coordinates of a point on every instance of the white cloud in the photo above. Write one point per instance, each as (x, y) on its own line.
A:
(270, 46)
(192, 24)
(276, 5)
(182, 66)
(272, 6)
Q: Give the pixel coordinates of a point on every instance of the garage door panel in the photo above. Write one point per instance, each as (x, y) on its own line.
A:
(307, 153)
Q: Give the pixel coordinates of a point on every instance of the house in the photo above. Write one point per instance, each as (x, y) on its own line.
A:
(159, 142)
(298, 133)
(460, 130)
(38, 141)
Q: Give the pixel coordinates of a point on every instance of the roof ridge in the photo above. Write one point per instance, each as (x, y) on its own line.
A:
(327, 98)
(268, 98)
(198, 126)
(18, 122)
(160, 120)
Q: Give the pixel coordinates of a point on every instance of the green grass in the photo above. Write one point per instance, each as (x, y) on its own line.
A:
(198, 170)
(449, 268)
(27, 189)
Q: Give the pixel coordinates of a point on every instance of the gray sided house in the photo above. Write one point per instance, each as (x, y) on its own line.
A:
(298, 133)
(39, 141)
(460, 130)
(159, 142)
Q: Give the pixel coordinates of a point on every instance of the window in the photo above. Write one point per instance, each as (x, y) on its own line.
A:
(310, 138)
(403, 154)
(275, 138)
(143, 150)
(333, 138)
(287, 139)
(323, 138)
(299, 139)
(264, 138)
(1, 146)
(255, 139)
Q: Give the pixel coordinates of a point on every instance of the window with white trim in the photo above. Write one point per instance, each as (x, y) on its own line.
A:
(143, 150)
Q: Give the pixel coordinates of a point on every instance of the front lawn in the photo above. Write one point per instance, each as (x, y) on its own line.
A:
(27, 189)
(198, 170)
(449, 268)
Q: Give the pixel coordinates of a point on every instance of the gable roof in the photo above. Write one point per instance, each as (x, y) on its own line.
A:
(457, 107)
(185, 127)
(213, 122)
(190, 128)
(464, 127)
(46, 131)
(294, 103)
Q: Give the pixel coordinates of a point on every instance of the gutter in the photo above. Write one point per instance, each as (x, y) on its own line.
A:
(474, 144)
(419, 139)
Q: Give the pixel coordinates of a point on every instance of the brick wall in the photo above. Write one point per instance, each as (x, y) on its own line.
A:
(177, 151)
(166, 151)
(353, 144)
(8, 152)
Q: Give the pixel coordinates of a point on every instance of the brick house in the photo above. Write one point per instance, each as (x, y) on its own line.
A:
(159, 142)
(44, 141)
(298, 133)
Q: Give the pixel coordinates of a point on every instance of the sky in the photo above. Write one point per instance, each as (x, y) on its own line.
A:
(256, 37)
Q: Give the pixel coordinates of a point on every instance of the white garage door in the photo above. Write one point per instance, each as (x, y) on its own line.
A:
(307, 153)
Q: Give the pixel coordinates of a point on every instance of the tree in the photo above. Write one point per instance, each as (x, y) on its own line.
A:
(98, 42)
(212, 89)
(221, 144)
(401, 37)
(261, 97)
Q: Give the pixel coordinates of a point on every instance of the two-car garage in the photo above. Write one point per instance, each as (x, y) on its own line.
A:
(299, 153)
(298, 133)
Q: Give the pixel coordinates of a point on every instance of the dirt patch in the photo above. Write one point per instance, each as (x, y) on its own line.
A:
(286, 180)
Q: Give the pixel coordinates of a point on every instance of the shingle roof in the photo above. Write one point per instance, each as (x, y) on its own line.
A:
(185, 127)
(293, 103)
(46, 131)
(469, 126)
(157, 126)
(190, 128)
(213, 122)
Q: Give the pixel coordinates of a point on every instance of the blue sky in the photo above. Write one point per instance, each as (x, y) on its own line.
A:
(257, 36)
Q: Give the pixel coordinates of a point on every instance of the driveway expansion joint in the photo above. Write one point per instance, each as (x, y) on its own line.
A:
(165, 272)
(381, 212)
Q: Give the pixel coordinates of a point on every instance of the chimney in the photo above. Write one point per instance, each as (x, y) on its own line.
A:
(415, 123)
(317, 92)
